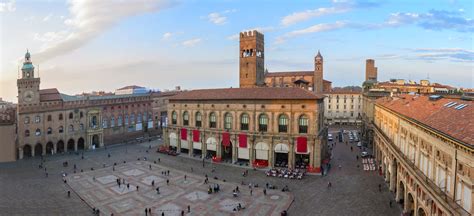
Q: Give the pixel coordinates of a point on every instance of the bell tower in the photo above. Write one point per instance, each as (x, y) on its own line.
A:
(28, 85)
(252, 72)
(318, 74)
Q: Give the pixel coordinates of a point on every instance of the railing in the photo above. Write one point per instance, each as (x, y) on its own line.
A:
(421, 177)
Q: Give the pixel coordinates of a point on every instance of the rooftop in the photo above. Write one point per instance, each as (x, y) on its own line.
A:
(248, 94)
(291, 73)
(444, 115)
(131, 87)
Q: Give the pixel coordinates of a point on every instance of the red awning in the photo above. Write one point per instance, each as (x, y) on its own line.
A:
(243, 140)
(195, 136)
(184, 134)
(301, 145)
(226, 139)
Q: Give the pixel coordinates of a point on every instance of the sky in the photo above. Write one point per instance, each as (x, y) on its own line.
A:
(87, 45)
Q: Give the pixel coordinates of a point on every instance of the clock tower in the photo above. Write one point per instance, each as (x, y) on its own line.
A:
(318, 74)
(28, 85)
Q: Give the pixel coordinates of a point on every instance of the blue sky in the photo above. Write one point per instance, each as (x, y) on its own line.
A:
(88, 45)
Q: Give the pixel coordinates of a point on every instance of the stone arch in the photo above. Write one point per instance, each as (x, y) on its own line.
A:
(49, 148)
(27, 151)
(401, 192)
(261, 151)
(81, 144)
(60, 146)
(282, 148)
(410, 204)
(211, 144)
(421, 212)
(38, 149)
(173, 139)
(71, 145)
(95, 140)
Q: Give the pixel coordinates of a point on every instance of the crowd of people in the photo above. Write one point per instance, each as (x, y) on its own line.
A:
(286, 173)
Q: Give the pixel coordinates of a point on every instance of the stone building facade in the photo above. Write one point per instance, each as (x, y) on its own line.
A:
(425, 148)
(343, 107)
(50, 122)
(262, 127)
(7, 134)
(160, 108)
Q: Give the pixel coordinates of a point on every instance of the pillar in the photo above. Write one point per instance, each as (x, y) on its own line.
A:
(178, 145)
(219, 147)
(311, 154)
(20, 153)
(203, 145)
(251, 153)
(271, 160)
(393, 176)
(405, 202)
(291, 156)
(190, 142)
(397, 194)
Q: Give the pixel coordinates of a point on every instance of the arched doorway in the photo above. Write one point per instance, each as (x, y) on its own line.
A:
(60, 147)
(421, 212)
(401, 193)
(261, 154)
(38, 149)
(27, 151)
(70, 145)
(211, 146)
(226, 152)
(173, 141)
(281, 155)
(410, 205)
(49, 148)
(80, 144)
(95, 140)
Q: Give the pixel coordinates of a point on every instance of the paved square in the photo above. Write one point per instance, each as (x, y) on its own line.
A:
(183, 189)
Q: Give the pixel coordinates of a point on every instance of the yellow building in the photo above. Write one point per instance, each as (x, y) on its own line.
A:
(425, 149)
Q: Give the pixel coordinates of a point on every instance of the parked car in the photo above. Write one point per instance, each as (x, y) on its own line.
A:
(330, 137)
(364, 154)
(359, 144)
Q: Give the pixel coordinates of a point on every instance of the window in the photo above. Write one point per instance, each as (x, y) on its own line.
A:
(71, 115)
(81, 127)
(329, 106)
(112, 121)
(119, 121)
(126, 120)
(38, 132)
(81, 114)
(27, 120)
(282, 123)
(60, 129)
(212, 120)
(49, 131)
(60, 116)
(262, 123)
(244, 122)
(49, 118)
(185, 118)
(71, 128)
(37, 119)
(174, 118)
(104, 123)
(132, 118)
(27, 133)
(139, 118)
(198, 119)
(228, 121)
(303, 124)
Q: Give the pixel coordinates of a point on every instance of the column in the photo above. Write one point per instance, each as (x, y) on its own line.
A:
(291, 156)
(251, 153)
(311, 153)
(178, 148)
(203, 145)
(190, 140)
(393, 176)
(397, 194)
(234, 147)
(271, 155)
(20, 153)
(219, 146)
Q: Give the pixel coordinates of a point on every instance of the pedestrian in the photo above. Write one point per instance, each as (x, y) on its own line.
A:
(137, 187)
(146, 212)
(108, 155)
(149, 211)
(184, 177)
(150, 166)
(167, 182)
(329, 184)
(182, 212)
(68, 193)
(357, 157)
(192, 169)
(168, 172)
(128, 186)
(153, 183)
(189, 208)
(162, 214)
(158, 190)
(352, 148)
(159, 160)
(251, 192)
(264, 191)
(380, 187)
(390, 203)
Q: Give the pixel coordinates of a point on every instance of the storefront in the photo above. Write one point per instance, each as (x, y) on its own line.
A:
(281, 155)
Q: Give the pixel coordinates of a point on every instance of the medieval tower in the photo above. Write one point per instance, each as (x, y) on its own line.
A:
(370, 70)
(251, 59)
(318, 73)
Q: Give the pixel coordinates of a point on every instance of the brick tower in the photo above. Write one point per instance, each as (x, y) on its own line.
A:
(251, 59)
(370, 70)
(318, 73)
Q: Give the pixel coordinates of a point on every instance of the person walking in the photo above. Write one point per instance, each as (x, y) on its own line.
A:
(380, 187)
(146, 212)
(167, 182)
(390, 203)
(128, 186)
(251, 192)
(264, 191)
(158, 190)
(68, 194)
(329, 184)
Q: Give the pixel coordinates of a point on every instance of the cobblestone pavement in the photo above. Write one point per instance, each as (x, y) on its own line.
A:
(24, 189)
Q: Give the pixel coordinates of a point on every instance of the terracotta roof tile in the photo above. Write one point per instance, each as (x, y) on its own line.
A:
(458, 124)
(248, 94)
(50, 95)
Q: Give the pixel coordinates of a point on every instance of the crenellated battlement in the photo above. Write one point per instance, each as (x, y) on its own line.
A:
(251, 34)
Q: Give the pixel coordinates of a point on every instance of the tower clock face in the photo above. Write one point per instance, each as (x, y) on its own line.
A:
(28, 96)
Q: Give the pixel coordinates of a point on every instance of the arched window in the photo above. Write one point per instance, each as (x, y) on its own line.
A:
(185, 118)
(49, 131)
(37, 119)
(119, 121)
(303, 124)
(104, 122)
(71, 128)
(212, 120)
(228, 121)
(132, 118)
(244, 122)
(174, 118)
(112, 121)
(139, 118)
(60, 116)
(60, 129)
(38, 132)
(126, 119)
(262, 123)
(81, 127)
(49, 118)
(81, 114)
(27, 120)
(283, 123)
(198, 119)
(27, 133)
(71, 115)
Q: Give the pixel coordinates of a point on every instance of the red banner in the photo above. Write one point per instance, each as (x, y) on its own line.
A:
(226, 139)
(195, 136)
(184, 134)
(243, 140)
(301, 145)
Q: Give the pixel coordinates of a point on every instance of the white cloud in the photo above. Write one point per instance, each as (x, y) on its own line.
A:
(217, 18)
(192, 42)
(90, 18)
(47, 18)
(308, 14)
(7, 6)
(260, 29)
(167, 35)
(323, 27)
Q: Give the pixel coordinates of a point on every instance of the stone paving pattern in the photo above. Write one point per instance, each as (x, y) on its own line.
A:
(24, 189)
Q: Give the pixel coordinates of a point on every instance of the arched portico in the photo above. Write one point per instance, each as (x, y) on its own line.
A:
(60, 147)
(38, 149)
(27, 151)
(81, 144)
(49, 148)
(281, 152)
(71, 145)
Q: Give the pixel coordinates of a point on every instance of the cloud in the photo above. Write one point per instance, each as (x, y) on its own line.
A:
(260, 29)
(217, 18)
(192, 42)
(167, 35)
(432, 20)
(322, 27)
(7, 6)
(91, 18)
(308, 14)
(47, 18)
(452, 54)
